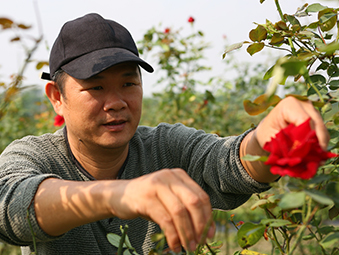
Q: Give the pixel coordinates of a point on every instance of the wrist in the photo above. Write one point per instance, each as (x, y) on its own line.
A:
(256, 169)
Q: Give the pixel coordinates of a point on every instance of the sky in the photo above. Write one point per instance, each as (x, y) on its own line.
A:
(216, 18)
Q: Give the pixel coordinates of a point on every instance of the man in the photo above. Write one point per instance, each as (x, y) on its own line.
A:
(102, 171)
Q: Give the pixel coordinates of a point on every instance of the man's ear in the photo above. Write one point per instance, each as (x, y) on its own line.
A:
(54, 96)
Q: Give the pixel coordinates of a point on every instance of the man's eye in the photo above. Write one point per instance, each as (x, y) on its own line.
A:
(128, 84)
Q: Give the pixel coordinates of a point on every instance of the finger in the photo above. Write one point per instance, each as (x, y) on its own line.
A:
(179, 214)
(295, 111)
(196, 201)
(158, 213)
(318, 125)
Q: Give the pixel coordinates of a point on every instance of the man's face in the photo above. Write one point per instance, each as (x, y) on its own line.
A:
(103, 111)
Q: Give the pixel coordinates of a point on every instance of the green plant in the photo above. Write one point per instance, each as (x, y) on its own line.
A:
(295, 208)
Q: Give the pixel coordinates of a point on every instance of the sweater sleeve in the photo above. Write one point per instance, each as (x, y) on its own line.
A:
(23, 166)
(214, 163)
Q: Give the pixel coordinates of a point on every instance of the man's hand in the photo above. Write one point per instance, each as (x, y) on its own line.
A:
(289, 110)
(171, 199)
(168, 197)
(292, 110)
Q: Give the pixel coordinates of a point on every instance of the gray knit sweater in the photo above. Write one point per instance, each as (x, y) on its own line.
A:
(211, 161)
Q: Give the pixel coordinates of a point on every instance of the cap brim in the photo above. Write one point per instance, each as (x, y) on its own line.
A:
(95, 62)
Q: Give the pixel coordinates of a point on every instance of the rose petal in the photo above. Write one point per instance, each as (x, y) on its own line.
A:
(295, 151)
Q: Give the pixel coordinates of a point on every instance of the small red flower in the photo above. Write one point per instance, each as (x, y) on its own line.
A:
(240, 223)
(58, 121)
(191, 19)
(167, 30)
(295, 151)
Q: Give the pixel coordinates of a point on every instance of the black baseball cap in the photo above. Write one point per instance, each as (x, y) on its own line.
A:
(89, 45)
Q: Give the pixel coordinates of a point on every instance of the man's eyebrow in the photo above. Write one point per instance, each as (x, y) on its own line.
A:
(130, 73)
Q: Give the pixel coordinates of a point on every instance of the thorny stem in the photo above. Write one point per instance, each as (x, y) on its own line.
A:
(284, 20)
(122, 240)
(279, 10)
(306, 220)
(276, 241)
(210, 249)
(318, 240)
(308, 80)
(277, 48)
(33, 235)
(321, 35)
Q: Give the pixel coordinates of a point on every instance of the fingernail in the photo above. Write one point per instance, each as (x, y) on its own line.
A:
(211, 232)
(177, 249)
(193, 245)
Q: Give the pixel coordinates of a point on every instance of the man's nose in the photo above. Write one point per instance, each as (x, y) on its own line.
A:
(114, 101)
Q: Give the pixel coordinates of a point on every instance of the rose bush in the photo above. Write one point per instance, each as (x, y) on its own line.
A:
(299, 210)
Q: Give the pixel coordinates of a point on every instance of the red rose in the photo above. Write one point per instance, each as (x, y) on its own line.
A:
(167, 30)
(58, 121)
(191, 20)
(295, 151)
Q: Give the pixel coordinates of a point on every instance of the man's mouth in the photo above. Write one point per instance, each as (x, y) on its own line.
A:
(115, 123)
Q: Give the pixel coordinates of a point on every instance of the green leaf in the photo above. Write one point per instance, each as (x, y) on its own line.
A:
(313, 25)
(319, 178)
(260, 104)
(326, 230)
(249, 234)
(127, 252)
(315, 8)
(334, 84)
(157, 237)
(269, 73)
(333, 212)
(276, 39)
(281, 25)
(255, 48)
(327, 19)
(306, 34)
(249, 157)
(293, 20)
(319, 197)
(332, 190)
(232, 48)
(292, 200)
(114, 239)
(293, 67)
(258, 34)
(323, 66)
(318, 80)
(260, 203)
(275, 223)
(330, 240)
(332, 70)
(41, 64)
(309, 237)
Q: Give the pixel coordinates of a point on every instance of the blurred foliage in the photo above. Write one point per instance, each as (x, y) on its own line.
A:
(298, 211)
(214, 105)
(293, 211)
